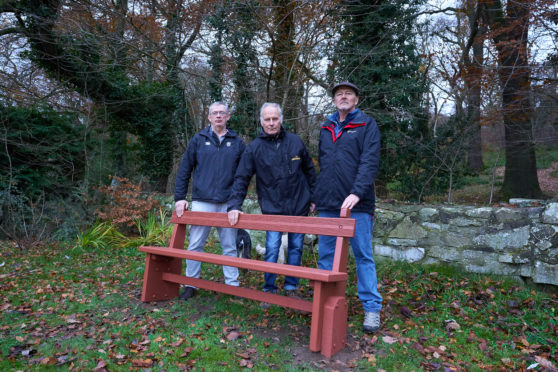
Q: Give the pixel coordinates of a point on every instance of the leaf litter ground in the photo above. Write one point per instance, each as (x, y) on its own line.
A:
(80, 310)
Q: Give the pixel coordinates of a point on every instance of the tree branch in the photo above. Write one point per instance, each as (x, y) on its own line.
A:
(11, 30)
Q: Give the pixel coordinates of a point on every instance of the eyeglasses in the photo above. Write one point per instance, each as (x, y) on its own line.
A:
(219, 113)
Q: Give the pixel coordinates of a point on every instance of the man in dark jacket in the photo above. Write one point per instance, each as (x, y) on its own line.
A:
(211, 160)
(349, 155)
(284, 181)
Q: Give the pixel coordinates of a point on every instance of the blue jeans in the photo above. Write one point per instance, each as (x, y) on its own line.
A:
(367, 286)
(294, 257)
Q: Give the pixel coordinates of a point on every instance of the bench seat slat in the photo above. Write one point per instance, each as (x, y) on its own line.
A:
(244, 263)
(249, 293)
(301, 224)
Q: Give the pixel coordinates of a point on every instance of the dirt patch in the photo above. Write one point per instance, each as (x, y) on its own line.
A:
(345, 360)
(548, 183)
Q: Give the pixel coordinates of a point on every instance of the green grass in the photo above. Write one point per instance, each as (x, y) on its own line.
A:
(64, 308)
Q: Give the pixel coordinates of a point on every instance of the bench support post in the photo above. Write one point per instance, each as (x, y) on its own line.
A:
(154, 287)
(334, 325)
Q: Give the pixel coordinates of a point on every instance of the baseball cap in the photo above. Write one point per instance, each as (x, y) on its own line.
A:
(345, 84)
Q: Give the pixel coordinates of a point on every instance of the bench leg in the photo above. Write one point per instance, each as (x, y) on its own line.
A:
(154, 287)
(328, 330)
(334, 330)
(317, 317)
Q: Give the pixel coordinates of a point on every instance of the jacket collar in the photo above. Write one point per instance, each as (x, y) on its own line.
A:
(208, 132)
(334, 118)
(264, 135)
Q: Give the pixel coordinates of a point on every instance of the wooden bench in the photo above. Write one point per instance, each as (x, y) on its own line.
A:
(163, 270)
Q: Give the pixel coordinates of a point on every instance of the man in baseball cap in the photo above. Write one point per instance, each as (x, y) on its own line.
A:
(349, 161)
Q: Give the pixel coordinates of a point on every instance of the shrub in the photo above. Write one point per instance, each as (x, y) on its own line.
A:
(126, 203)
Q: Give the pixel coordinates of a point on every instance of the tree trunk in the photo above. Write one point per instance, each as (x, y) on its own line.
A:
(288, 92)
(510, 35)
(473, 83)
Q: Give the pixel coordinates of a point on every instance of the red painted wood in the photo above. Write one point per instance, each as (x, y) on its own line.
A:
(178, 236)
(244, 263)
(251, 294)
(334, 325)
(317, 317)
(328, 329)
(268, 222)
(154, 287)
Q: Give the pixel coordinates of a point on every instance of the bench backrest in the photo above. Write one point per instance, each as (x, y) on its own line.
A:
(343, 228)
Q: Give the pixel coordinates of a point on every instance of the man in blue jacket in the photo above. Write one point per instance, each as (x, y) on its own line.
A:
(284, 181)
(211, 160)
(349, 157)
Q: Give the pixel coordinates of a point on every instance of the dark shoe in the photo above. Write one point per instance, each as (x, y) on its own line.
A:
(292, 293)
(187, 293)
(371, 322)
(265, 305)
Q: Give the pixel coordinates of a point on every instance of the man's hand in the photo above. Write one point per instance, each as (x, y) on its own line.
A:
(180, 206)
(233, 216)
(350, 201)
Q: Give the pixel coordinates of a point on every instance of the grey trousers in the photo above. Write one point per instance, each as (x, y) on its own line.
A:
(198, 237)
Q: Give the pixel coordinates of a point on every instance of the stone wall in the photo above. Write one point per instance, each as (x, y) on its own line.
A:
(520, 241)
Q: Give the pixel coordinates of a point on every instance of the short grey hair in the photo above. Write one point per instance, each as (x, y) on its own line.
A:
(271, 104)
(218, 103)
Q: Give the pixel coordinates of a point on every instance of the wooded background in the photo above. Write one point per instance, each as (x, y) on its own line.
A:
(93, 88)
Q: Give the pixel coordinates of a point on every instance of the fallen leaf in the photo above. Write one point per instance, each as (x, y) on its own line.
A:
(545, 363)
(187, 350)
(243, 363)
(389, 339)
(405, 312)
(452, 326)
(100, 366)
(142, 363)
(233, 336)
(178, 343)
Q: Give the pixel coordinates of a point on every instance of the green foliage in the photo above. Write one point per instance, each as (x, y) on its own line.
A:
(101, 235)
(153, 117)
(85, 61)
(43, 152)
(155, 231)
(236, 24)
(377, 50)
(546, 156)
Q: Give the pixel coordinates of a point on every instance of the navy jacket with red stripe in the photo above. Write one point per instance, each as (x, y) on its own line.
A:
(349, 163)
